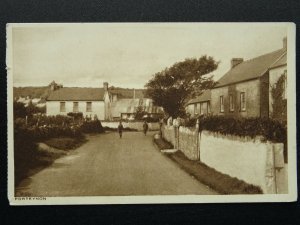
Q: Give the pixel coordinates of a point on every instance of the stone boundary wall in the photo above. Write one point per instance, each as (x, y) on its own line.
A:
(183, 138)
(249, 159)
(252, 160)
(132, 125)
(189, 142)
(168, 133)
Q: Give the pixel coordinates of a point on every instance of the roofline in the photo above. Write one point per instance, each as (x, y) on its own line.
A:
(242, 81)
(285, 52)
(278, 60)
(274, 67)
(198, 102)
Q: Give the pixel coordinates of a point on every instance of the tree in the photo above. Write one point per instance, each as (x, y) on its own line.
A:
(172, 87)
(140, 113)
(279, 103)
(19, 110)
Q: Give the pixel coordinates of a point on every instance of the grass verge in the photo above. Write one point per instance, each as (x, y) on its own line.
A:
(222, 183)
(32, 157)
(64, 143)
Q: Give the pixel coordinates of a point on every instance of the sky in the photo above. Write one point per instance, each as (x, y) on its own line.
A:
(129, 54)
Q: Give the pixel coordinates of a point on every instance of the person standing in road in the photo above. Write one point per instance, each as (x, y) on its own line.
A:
(120, 129)
(145, 127)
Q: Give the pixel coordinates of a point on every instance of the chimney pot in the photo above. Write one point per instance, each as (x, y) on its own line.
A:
(284, 40)
(236, 61)
(105, 86)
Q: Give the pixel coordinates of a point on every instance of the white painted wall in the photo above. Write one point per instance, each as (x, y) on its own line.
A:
(247, 159)
(53, 108)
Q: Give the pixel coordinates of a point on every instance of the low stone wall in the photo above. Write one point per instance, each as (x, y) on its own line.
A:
(248, 159)
(185, 139)
(189, 142)
(132, 125)
(168, 133)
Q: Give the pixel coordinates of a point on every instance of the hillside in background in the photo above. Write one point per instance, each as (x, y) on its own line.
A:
(43, 92)
(32, 92)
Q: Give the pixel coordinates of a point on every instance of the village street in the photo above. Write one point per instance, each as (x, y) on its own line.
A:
(107, 165)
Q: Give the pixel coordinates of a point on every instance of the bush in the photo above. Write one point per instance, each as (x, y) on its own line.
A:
(42, 120)
(76, 115)
(271, 130)
(19, 110)
(152, 119)
(94, 126)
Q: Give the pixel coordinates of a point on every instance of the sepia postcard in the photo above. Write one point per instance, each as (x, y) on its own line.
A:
(139, 113)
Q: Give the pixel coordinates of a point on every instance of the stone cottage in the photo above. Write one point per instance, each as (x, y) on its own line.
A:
(245, 90)
(199, 105)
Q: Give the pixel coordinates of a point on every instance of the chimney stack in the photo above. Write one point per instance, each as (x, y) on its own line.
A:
(105, 86)
(236, 61)
(284, 40)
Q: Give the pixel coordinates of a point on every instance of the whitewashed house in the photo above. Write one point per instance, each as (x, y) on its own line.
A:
(90, 102)
(105, 103)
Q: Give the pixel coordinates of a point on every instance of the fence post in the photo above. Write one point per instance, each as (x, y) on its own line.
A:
(176, 133)
(197, 134)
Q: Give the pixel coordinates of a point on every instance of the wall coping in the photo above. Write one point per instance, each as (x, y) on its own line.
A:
(256, 139)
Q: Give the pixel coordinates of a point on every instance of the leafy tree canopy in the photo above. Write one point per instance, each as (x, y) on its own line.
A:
(172, 87)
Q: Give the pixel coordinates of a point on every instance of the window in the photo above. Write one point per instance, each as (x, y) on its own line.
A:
(204, 108)
(243, 101)
(62, 107)
(221, 103)
(231, 105)
(196, 109)
(89, 106)
(75, 107)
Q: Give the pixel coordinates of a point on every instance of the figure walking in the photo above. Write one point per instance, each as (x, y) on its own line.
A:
(120, 129)
(145, 127)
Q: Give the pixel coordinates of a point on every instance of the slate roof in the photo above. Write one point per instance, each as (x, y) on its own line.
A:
(124, 106)
(280, 62)
(205, 96)
(77, 94)
(127, 93)
(250, 69)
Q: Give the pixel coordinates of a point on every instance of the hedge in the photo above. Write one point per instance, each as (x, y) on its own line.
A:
(270, 129)
(93, 126)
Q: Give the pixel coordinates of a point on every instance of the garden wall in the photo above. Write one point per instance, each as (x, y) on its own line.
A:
(132, 125)
(184, 139)
(189, 142)
(247, 159)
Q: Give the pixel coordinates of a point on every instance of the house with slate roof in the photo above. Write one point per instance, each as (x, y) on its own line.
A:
(105, 103)
(245, 90)
(199, 105)
(89, 101)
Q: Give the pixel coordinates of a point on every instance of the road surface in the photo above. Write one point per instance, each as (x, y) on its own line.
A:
(107, 165)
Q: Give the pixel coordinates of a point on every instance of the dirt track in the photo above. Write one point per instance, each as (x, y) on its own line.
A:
(107, 165)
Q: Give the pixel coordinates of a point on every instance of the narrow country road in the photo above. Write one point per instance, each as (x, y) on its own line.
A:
(107, 165)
